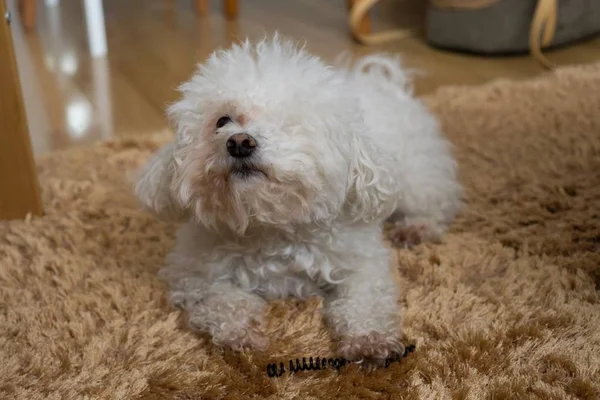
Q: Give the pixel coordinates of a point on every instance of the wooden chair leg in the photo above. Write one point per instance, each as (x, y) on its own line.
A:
(365, 24)
(202, 7)
(28, 9)
(230, 8)
(19, 190)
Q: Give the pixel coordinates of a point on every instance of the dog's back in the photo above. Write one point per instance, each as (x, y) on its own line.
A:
(409, 138)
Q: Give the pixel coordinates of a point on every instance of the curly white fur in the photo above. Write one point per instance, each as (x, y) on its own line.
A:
(339, 150)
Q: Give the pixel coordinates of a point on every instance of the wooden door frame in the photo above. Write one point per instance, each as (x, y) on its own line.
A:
(19, 186)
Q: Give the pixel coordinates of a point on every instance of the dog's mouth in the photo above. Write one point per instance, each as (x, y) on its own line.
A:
(246, 170)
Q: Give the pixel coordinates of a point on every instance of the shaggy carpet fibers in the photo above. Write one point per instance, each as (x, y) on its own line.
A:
(508, 306)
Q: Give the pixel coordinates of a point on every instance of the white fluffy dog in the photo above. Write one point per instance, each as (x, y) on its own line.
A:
(283, 170)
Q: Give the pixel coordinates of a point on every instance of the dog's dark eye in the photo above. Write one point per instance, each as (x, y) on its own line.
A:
(223, 121)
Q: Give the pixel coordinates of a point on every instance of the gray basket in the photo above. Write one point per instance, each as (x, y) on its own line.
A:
(504, 27)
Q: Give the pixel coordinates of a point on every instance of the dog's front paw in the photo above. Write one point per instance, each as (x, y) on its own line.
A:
(238, 336)
(233, 324)
(231, 316)
(373, 350)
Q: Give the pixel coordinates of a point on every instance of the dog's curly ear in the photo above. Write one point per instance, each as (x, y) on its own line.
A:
(373, 193)
(154, 183)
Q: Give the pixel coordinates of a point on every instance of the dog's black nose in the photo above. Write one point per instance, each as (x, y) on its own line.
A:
(241, 145)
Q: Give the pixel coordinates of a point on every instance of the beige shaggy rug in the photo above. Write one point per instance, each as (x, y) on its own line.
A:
(507, 307)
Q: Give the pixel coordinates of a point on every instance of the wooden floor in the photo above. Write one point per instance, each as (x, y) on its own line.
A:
(153, 45)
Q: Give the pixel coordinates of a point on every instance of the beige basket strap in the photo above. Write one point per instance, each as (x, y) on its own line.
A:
(542, 31)
(359, 11)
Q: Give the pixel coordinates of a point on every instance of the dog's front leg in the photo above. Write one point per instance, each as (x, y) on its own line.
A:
(364, 314)
(230, 315)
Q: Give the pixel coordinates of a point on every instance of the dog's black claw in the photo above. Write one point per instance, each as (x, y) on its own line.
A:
(409, 349)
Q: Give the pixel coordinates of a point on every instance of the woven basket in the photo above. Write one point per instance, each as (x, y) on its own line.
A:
(496, 26)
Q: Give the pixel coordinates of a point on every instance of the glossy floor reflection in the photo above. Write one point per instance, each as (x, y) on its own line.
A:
(72, 98)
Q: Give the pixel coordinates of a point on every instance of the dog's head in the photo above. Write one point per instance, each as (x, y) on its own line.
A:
(267, 134)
